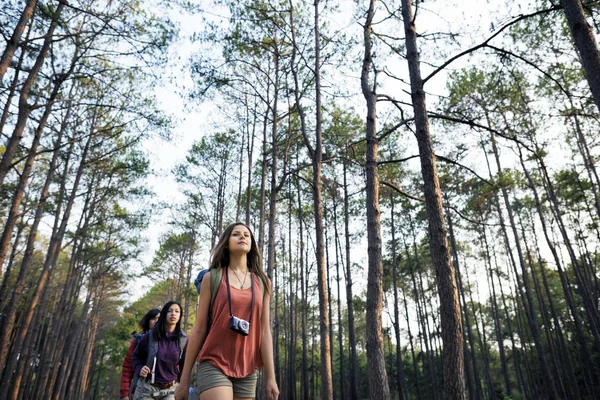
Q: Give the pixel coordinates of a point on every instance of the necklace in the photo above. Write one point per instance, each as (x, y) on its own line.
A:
(238, 278)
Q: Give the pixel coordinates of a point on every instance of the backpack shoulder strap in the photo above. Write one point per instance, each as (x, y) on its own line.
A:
(182, 343)
(215, 280)
(152, 348)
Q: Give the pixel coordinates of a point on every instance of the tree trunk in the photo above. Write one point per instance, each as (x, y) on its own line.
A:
(573, 308)
(378, 381)
(11, 311)
(412, 350)
(496, 317)
(249, 173)
(399, 363)
(453, 365)
(273, 187)
(14, 84)
(525, 290)
(263, 183)
(586, 45)
(13, 42)
(24, 107)
(49, 264)
(354, 380)
(317, 156)
(473, 380)
(338, 252)
(419, 303)
(304, 385)
(331, 335)
(24, 178)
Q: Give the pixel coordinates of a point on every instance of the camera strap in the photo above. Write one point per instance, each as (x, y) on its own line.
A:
(229, 294)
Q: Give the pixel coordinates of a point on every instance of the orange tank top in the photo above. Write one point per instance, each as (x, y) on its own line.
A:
(235, 355)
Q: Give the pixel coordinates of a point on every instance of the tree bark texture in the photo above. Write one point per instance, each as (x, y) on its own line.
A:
(378, 381)
(586, 44)
(451, 326)
(24, 107)
(14, 40)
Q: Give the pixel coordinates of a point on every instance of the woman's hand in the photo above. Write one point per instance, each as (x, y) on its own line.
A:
(144, 371)
(181, 393)
(272, 390)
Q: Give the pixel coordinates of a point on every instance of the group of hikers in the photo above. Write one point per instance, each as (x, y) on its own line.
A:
(230, 340)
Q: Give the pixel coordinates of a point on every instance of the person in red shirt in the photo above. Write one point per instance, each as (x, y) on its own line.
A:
(239, 340)
(146, 323)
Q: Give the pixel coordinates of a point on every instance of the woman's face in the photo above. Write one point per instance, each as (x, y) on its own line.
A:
(153, 321)
(240, 240)
(173, 314)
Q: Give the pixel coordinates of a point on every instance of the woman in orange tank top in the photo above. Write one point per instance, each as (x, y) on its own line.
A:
(239, 340)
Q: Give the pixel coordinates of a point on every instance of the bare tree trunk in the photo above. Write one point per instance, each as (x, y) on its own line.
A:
(378, 381)
(49, 264)
(573, 308)
(565, 353)
(304, 385)
(263, 183)
(11, 262)
(473, 380)
(238, 205)
(525, 290)
(13, 42)
(273, 186)
(51, 358)
(24, 178)
(317, 157)
(354, 380)
(338, 252)
(249, 173)
(14, 84)
(415, 362)
(496, 317)
(331, 335)
(399, 363)
(291, 362)
(421, 317)
(586, 45)
(24, 107)
(11, 311)
(453, 365)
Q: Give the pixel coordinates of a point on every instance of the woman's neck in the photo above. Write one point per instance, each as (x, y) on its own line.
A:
(238, 262)
(170, 328)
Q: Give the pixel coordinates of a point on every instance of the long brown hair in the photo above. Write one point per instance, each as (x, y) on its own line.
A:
(219, 257)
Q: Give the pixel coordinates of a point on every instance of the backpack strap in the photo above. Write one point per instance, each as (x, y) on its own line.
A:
(215, 280)
(152, 349)
(182, 343)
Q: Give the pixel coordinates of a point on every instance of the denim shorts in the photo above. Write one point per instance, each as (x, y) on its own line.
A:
(211, 377)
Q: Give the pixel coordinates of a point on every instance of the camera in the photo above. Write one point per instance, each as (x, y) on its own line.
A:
(239, 325)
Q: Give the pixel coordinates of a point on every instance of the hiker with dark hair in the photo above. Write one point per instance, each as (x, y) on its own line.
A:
(156, 359)
(145, 324)
(231, 338)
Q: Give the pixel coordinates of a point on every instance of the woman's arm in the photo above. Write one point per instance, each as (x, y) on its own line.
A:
(140, 355)
(195, 338)
(266, 349)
